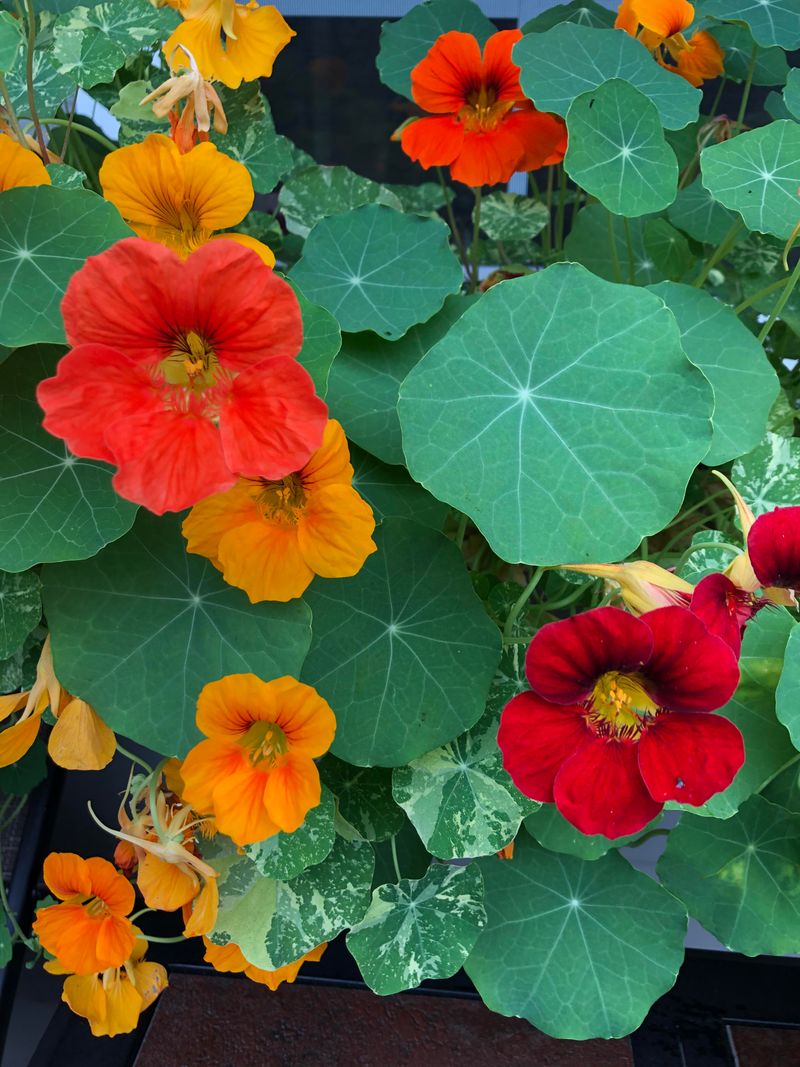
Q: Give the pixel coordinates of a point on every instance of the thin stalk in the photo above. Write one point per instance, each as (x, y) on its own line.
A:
(629, 243)
(704, 545)
(722, 249)
(552, 605)
(533, 187)
(612, 244)
(476, 236)
(462, 529)
(87, 131)
(722, 82)
(4, 900)
(395, 861)
(70, 125)
(781, 302)
(12, 115)
(161, 940)
(689, 171)
(29, 77)
(521, 601)
(134, 759)
(757, 296)
(746, 90)
(547, 235)
(451, 218)
(576, 206)
(562, 203)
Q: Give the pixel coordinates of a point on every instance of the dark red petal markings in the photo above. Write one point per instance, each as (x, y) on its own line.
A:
(688, 757)
(714, 601)
(566, 658)
(773, 546)
(536, 737)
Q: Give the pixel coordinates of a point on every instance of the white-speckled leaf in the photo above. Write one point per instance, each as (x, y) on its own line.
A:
(364, 796)
(769, 476)
(317, 192)
(511, 217)
(20, 609)
(285, 856)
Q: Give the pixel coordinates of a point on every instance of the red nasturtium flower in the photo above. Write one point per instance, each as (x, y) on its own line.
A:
(617, 721)
(188, 369)
(484, 127)
(773, 545)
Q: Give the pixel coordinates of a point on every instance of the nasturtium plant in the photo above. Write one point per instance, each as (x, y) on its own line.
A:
(407, 554)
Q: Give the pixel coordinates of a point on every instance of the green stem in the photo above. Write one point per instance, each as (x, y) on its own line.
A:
(781, 302)
(547, 235)
(533, 187)
(757, 296)
(161, 940)
(612, 244)
(722, 82)
(87, 131)
(631, 260)
(29, 78)
(138, 914)
(576, 206)
(395, 861)
(562, 203)
(134, 759)
(12, 115)
(780, 770)
(701, 546)
(522, 600)
(554, 605)
(722, 249)
(746, 90)
(451, 218)
(28, 942)
(155, 778)
(476, 236)
(462, 529)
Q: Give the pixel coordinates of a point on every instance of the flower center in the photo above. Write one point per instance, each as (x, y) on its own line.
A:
(282, 502)
(192, 362)
(620, 706)
(483, 111)
(265, 742)
(95, 907)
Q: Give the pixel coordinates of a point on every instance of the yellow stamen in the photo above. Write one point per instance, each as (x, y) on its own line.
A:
(266, 742)
(620, 706)
(284, 501)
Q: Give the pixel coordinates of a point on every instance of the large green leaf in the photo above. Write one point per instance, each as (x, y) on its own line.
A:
(740, 878)
(580, 949)
(758, 174)
(787, 695)
(545, 413)
(405, 42)
(769, 476)
(697, 213)
(378, 269)
(364, 796)
(609, 245)
(275, 922)
(392, 494)
(141, 628)
(322, 340)
(418, 930)
(20, 609)
(771, 22)
(53, 506)
(717, 342)
(365, 380)
(784, 789)
(46, 234)
(617, 150)
(582, 12)
(403, 651)
(569, 60)
(284, 856)
(317, 192)
(251, 137)
(770, 66)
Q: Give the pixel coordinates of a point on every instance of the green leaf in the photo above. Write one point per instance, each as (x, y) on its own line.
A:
(392, 494)
(740, 879)
(787, 695)
(322, 340)
(757, 174)
(782, 416)
(46, 234)
(668, 248)
(579, 949)
(511, 217)
(365, 380)
(403, 651)
(364, 795)
(617, 150)
(19, 670)
(378, 269)
(6, 947)
(18, 779)
(64, 177)
(771, 22)
(419, 929)
(284, 856)
(581, 12)
(558, 372)
(141, 628)
(707, 560)
(413, 858)
(424, 199)
(754, 255)
(405, 42)
(251, 137)
(599, 241)
(791, 92)
(10, 41)
(697, 213)
(549, 827)
(717, 342)
(20, 609)
(318, 192)
(569, 60)
(784, 790)
(770, 67)
(769, 476)
(53, 506)
(51, 88)
(275, 922)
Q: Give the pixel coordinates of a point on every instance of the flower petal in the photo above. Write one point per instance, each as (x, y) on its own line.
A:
(205, 766)
(210, 519)
(690, 757)
(773, 546)
(110, 886)
(304, 716)
(433, 142)
(453, 67)
(16, 740)
(291, 790)
(239, 807)
(543, 137)
(261, 33)
(330, 464)
(264, 559)
(500, 72)
(80, 740)
(334, 533)
(488, 157)
(264, 252)
(19, 166)
(166, 886)
(536, 737)
(66, 875)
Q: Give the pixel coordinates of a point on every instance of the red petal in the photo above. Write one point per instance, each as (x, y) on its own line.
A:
(488, 158)
(566, 658)
(714, 601)
(499, 71)
(94, 387)
(272, 421)
(773, 545)
(690, 669)
(535, 738)
(441, 82)
(600, 790)
(433, 142)
(689, 757)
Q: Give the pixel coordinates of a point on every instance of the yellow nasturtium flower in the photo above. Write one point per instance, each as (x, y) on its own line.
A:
(19, 165)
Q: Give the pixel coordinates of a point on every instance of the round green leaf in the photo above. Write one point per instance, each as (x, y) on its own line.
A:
(697, 213)
(423, 199)
(668, 248)
(510, 217)
(569, 60)
(784, 790)
(405, 42)
(378, 269)
(769, 476)
(20, 609)
(609, 245)
(561, 414)
(19, 670)
(717, 342)
(787, 695)
(284, 856)
(139, 630)
(403, 651)
(364, 796)
(275, 922)
(251, 137)
(617, 150)
(46, 234)
(578, 949)
(365, 380)
(770, 67)
(418, 930)
(757, 174)
(740, 878)
(582, 12)
(53, 506)
(317, 192)
(392, 494)
(771, 22)
(322, 340)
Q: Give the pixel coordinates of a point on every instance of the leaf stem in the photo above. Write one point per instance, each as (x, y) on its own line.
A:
(28, 942)
(781, 302)
(746, 90)
(612, 244)
(722, 249)
(462, 529)
(29, 77)
(395, 861)
(133, 758)
(562, 202)
(451, 218)
(521, 601)
(757, 296)
(476, 236)
(629, 242)
(702, 546)
(87, 131)
(547, 235)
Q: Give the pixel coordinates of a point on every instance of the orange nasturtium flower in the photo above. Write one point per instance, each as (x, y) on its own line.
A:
(180, 199)
(19, 166)
(256, 773)
(229, 42)
(270, 538)
(482, 125)
(89, 931)
(112, 1000)
(659, 25)
(229, 958)
(202, 106)
(79, 741)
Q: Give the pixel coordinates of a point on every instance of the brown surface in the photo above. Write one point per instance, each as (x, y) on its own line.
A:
(228, 1022)
(758, 1046)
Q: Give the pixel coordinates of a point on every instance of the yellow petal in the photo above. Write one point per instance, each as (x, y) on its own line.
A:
(199, 37)
(261, 33)
(335, 532)
(19, 166)
(150, 980)
(204, 910)
(17, 739)
(124, 1005)
(210, 520)
(330, 464)
(264, 559)
(84, 994)
(263, 251)
(80, 740)
(165, 886)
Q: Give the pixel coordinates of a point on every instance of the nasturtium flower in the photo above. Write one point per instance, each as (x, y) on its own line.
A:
(201, 108)
(618, 720)
(180, 198)
(773, 545)
(188, 368)
(484, 127)
(112, 1000)
(89, 931)
(271, 537)
(229, 958)
(659, 25)
(256, 772)
(19, 166)
(700, 60)
(229, 42)
(642, 585)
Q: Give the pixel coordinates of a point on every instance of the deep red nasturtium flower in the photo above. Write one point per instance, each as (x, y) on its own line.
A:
(183, 372)
(484, 127)
(725, 607)
(773, 545)
(618, 720)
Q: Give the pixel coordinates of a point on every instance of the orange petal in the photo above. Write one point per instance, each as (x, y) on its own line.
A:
(304, 716)
(11, 703)
(291, 790)
(261, 34)
(663, 17)
(210, 520)
(627, 19)
(441, 82)
(227, 708)
(433, 142)
(19, 166)
(80, 740)
(335, 532)
(239, 807)
(204, 911)
(288, 973)
(227, 958)
(208, 763)
(17, 739)
(488, 158)
(200, 37)
(150, 980)
(499, 70)
(702, 60)
(110, 886)
(115, 941)
(84, 995)
(330, 464)
(66, 875)
(165, 886)
(264, 559)
(264, 251)
(84, 944)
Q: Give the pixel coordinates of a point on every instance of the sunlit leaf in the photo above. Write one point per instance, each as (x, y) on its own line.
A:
(284, 856)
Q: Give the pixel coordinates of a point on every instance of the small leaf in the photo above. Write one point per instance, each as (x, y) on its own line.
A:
(251, 138)
(581, 12)
(10, 41)
(787, 695)
(64, 177)
(322, 340)
(697, 213)
(791, 92)
(423, 199)
(668, 249)
(20, 609)
(769, 476)
(318, 192)
(510, 217)
(364, 796)
(284, 856)
(392, 494)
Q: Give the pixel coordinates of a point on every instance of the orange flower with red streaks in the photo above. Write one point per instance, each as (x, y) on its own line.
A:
(660, 25)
